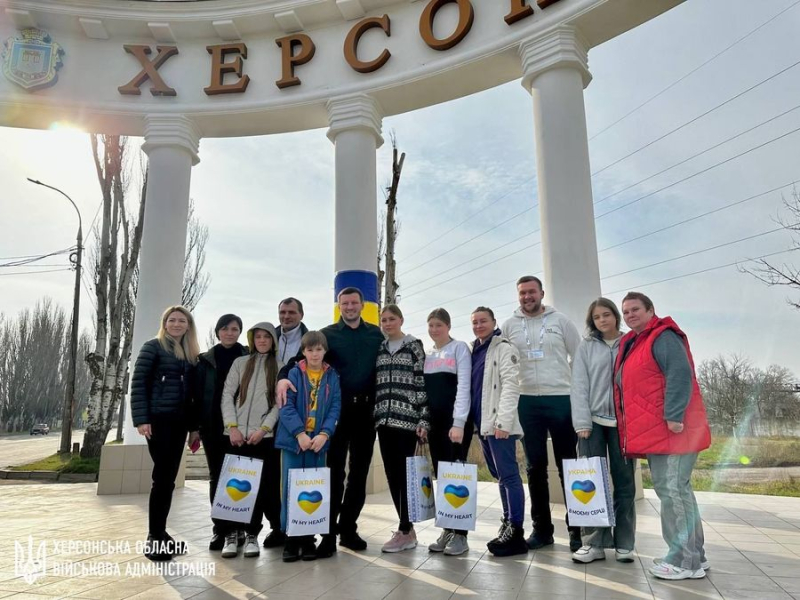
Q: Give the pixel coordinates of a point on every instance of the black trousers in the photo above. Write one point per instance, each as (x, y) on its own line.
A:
(441, 418)
(272, 503)
(215, 446)
(396, 445)
(354, 436)
(270, 482)
(166, 447)
(539, 415)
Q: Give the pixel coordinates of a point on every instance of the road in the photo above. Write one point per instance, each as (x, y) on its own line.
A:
(21, 449)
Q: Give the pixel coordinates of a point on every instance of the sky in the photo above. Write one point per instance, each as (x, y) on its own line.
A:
(656, 161)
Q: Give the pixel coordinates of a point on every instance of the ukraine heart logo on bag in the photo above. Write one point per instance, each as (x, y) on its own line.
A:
(237, 489)
(426, 486)
(456, 495)
(583, 490)
(309, 501)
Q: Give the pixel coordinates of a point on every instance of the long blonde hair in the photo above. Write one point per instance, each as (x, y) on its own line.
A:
(187, 348)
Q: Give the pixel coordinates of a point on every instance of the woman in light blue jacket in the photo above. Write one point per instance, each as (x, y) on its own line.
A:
(594, 419)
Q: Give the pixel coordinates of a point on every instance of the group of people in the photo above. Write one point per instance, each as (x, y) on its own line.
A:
(297, 398)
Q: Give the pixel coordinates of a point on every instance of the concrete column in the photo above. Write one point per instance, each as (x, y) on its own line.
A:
(555, 67)
(171, 144)
(355, 130)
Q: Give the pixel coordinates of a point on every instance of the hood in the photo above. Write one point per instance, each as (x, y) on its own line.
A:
(547, 310)
(266, 326)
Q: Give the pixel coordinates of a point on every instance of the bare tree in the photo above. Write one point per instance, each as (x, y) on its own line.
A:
(116, 279)
(785, 274)
(392, 226)
(381, 253)
(726, 383)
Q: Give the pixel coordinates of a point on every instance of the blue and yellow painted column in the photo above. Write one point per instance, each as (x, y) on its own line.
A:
(367, 282)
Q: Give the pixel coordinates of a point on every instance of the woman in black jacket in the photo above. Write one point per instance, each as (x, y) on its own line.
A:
(162, 412)
(212, 369)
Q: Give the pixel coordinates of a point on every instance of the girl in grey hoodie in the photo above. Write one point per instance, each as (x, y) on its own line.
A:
(249, 413)
(594, 419)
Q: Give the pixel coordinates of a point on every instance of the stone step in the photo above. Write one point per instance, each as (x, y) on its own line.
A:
(196, 467)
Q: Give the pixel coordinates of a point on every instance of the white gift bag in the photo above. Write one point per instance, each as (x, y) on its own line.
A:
(419, 487)
(237, 489)
(308, 502)
(456, 495)
(587, 492)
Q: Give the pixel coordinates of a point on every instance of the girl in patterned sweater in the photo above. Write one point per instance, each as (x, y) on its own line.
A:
(401, 414)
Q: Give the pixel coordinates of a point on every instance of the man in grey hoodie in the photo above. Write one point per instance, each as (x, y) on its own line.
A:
(546, 340)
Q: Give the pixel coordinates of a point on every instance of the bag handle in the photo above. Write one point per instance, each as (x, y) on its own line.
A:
(421, 448)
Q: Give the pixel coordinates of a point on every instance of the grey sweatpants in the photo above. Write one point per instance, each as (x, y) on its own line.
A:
(681, 526)
(605, 441)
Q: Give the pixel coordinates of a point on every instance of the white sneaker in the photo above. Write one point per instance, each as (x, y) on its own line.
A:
(457, 545)
(667, 571)
(587, 554)
(231, 547)
(251, 548)
(624, 556)
(440, 544)
(705, 565)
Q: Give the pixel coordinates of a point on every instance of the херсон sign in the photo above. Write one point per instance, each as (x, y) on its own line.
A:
(298, 49)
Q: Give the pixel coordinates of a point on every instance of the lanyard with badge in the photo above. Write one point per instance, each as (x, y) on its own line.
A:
(534, 353)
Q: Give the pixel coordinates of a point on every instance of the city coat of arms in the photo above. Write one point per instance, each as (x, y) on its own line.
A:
(33, 60)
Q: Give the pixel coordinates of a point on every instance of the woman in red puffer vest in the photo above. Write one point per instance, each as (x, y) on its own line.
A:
(661, 416)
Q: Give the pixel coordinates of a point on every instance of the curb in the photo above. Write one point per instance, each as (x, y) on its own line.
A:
(53, 476)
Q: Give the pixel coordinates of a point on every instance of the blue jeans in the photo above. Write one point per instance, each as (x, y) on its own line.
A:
(681, 526)
(501, 458)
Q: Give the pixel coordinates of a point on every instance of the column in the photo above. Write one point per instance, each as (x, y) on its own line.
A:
(555, 71)
(171, 143)
(355, 130)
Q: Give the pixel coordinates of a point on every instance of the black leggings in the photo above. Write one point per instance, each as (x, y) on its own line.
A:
(396, 445)
(166, 447)
(439, 441)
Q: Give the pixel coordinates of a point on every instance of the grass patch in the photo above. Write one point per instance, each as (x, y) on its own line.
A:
(63, 463)
(703, 481)
(751, 452)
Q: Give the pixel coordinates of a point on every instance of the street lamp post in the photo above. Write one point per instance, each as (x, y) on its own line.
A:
(69, 396)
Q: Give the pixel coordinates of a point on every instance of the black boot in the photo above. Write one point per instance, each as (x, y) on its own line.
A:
(327, 547)
(504, 524)
(511, 543)
(308, 547)
(291, 551)
(575, 542)
(352, 540)
(217, 542)
(156, 547)
(275, 539)
(539, 540)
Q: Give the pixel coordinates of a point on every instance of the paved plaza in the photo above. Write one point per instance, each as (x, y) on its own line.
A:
(753, 544)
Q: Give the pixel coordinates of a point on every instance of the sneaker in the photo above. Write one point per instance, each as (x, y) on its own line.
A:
(251, 549)
(624, 556)
(400, 541)
(703, 565)
(667, 571)
(156, 547)
(308, 548)
(504, 524)
(275, 539)
(587, 554)
(440, 544)
(352, 541)
(457, 545)
(511, 543)
(291, 551)
(217, 542)
(231, 547)
(327, 547)
(536, 541)
(575, 542)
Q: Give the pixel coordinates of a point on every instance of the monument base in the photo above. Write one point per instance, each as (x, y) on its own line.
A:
(128, 469)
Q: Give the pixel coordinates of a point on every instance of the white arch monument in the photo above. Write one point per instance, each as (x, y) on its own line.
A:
(175, 72)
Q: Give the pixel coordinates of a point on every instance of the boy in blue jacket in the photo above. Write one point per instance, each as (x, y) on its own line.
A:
(307, 422)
